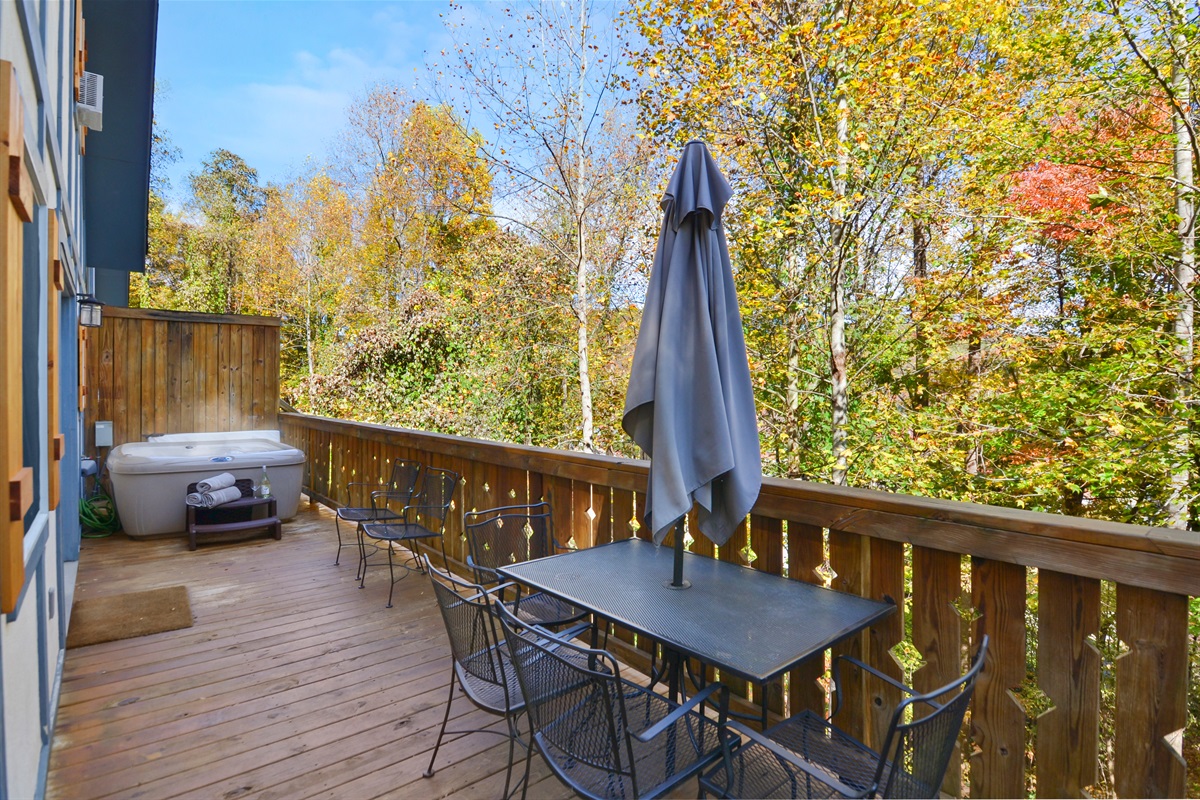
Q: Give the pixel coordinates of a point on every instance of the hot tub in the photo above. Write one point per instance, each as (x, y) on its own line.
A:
(150, 479)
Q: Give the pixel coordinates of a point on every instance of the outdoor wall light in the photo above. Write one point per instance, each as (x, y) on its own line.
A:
(89, 311)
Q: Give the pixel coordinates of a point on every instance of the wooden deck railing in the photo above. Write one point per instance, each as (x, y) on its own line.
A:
(972, 567)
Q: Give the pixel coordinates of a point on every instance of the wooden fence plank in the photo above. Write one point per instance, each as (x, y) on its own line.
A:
(174, 397)
(162, 378)
(130, 370)
(146, 378)
(209, 419)
(226, 369)
(105, 405)
(243, 411)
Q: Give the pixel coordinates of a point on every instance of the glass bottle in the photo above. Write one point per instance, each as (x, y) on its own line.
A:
(264, 484)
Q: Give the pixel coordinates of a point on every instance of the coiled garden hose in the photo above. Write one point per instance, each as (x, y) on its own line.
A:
(98, 514)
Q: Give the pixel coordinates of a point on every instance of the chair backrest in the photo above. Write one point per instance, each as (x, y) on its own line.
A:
(576, 705)
(401, 484)
(404, 476)
(432, 501)
(919, 748)
(500, 536)
(470, 625)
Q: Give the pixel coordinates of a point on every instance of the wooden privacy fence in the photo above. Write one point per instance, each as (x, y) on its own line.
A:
(972, 568)
(151, 371)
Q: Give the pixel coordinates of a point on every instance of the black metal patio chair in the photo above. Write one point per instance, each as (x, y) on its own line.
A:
(482, 666)
(358, 508)
(419, 518)
(601, 735)
(807, 756)
(510, 534)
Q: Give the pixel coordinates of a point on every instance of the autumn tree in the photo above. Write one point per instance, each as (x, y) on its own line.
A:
(852, 128)
(421, 189)
(304, 261)
(195, 255)
(537, 79)
(226, 193)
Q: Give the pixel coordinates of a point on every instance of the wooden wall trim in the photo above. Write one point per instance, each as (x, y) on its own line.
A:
(13, 472)
(53, 357)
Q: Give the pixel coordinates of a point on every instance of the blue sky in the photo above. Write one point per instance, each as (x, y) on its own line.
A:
(270, 79)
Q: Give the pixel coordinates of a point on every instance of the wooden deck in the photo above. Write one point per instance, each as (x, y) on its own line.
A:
(292, 683)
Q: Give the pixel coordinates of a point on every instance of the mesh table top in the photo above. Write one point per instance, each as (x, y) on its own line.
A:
(749, 623)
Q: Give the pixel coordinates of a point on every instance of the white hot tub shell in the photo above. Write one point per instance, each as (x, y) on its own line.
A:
(150, 479)
(211, 436)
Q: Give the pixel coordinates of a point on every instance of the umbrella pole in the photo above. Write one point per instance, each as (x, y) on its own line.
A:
(677, 581)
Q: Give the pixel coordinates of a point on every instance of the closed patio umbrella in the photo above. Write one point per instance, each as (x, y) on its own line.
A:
(690, 404)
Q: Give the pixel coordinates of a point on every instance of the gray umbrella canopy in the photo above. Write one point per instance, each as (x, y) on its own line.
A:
(690, 404)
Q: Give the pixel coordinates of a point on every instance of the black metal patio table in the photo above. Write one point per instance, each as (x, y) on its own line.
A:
(744, 622)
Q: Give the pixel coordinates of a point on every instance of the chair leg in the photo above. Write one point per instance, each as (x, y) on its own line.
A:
(337, 524)
(528, 761)
(445, 719)
(391, 574)
(363, 559)
(512, 742)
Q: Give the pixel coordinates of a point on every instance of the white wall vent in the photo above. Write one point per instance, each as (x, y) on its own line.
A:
(90, 109)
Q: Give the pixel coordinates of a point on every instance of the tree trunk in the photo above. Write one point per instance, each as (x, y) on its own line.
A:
(839, 390)
(920, 245)
(974, 461)
(587, 437)
(1185, 272)
(792, 327)
(308, 340)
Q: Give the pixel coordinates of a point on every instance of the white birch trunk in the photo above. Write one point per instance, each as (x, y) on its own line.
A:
(1178, 506)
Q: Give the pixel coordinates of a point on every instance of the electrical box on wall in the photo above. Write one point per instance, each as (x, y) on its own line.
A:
(104, 434)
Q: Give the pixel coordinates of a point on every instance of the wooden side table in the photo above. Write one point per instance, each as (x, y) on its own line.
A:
(202, 521)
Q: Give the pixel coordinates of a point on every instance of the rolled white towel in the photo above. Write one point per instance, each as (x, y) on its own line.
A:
(222, 496)
(222, 481)
(196, 499)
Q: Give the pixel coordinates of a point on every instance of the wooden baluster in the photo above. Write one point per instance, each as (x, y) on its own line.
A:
(887, 584)
(766, 540)
(806, 552)
(850, 558)
(1069, 675)
(937, 633)
(1151, 693)
(731, 552)
(998, 720)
